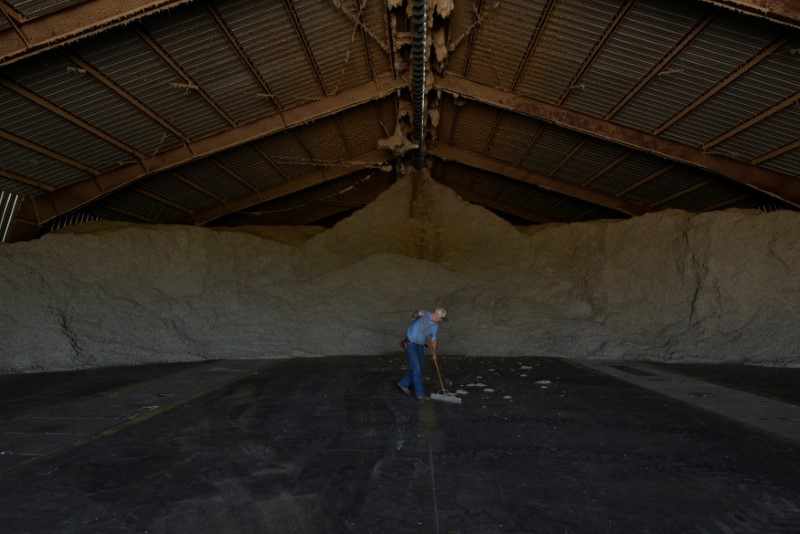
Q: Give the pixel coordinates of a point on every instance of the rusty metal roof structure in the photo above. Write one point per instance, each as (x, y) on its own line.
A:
(242, 112)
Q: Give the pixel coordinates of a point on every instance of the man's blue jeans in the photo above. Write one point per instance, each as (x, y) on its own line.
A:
(415, 354)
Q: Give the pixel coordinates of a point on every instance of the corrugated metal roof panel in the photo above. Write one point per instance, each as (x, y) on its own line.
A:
(712, 194)
(176, 191)
(570, 210)
(97, 210)
(774, 132)
(450, 173)
(16, 188)
(324, 140)
(148, 208)
(648, 32)
(127, 60)
(209, 176)
(339, 55)
(288, 153)
(267, 36)
(514, 193)
(362, 127)
(487, 184)
(375, 19)
(671, 182)
(542, 201)
(38, 8)
(551, 147)
(635, 167)
(38, 166)
(474, 126)
(250, 165)
(787, 163)
(719, 50)
(46, 129)
(758, 89)
(203, 51)
(86, 98)
(572, 31)
(589, 160)
(512, 137)
(501, 40)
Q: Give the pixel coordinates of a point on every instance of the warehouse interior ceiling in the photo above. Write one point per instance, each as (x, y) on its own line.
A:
(294, 112)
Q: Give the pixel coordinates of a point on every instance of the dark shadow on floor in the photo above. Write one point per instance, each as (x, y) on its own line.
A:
(332, 445)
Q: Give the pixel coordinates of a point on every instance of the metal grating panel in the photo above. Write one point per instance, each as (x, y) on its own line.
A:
(250, 165)
(567, 39)
(178, 192)
(340, 57)
(86, 98)
(266, 34)
(551, 147)
(512, 137)
(38, 166)
(127, 60)
(589, 160)
(210, 177)
(203, 51)
(648, 32)
(33, 123)
(631, 170)
(501, 40)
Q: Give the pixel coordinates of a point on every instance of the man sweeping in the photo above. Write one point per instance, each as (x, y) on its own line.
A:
(424, 326)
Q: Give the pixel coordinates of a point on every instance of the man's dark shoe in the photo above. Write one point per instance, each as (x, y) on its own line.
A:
(405, 390)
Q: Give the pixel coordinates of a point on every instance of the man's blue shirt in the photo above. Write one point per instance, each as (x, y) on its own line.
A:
(416, 332)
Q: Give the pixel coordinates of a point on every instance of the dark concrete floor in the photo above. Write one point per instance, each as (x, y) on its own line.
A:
(332, 445)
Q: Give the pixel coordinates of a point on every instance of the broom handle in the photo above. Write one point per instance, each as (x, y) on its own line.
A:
(436, 363)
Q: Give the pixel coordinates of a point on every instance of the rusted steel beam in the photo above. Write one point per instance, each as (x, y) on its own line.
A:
(230, 172)
(316, 177)
(773, 183)
(794, 145)
(785, 12)
(547, 10)
(470, 159)
(73, 23)
(82, 193)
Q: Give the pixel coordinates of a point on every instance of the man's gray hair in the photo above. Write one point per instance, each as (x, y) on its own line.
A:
(441, 311)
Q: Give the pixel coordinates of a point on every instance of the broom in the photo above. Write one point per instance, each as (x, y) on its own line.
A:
(444, 395)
